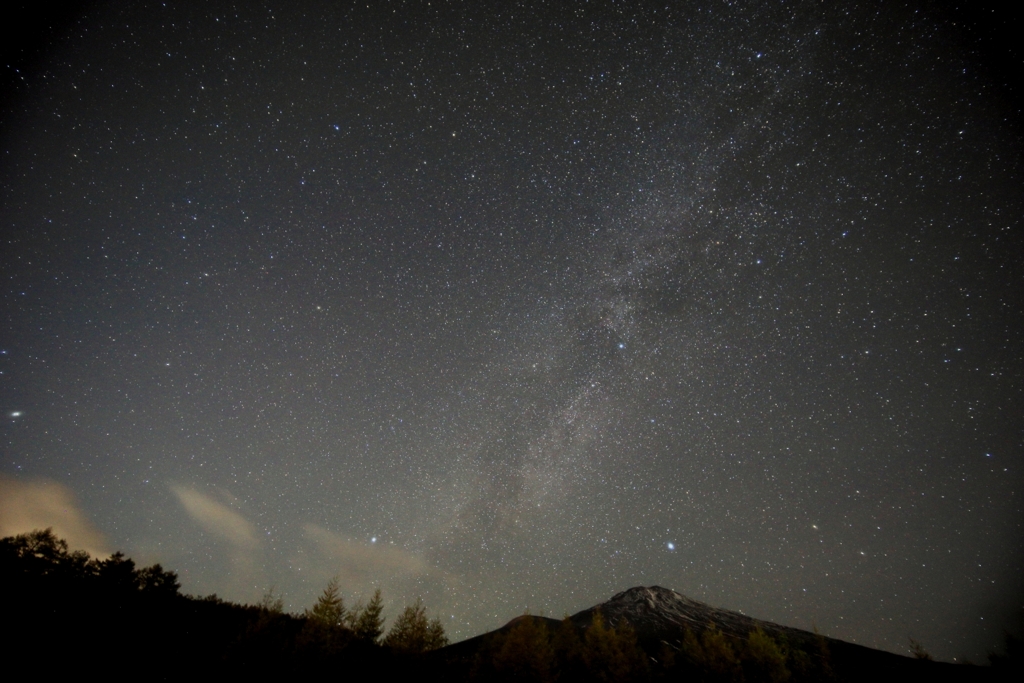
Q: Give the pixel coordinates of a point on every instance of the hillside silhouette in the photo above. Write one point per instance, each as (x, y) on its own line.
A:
(654, 633)
(66, 611)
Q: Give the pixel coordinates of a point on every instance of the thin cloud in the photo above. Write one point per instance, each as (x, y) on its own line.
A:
(357, 562)
(29, 505)
(216, 518)
(244, 579)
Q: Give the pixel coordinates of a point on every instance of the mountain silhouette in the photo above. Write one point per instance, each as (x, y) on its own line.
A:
(661, 617)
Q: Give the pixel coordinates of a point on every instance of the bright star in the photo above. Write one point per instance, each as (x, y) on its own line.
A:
(671, 546)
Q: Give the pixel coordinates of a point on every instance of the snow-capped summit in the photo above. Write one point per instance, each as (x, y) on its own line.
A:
(656, 612)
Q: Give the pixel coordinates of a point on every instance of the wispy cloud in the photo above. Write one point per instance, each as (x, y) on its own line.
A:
(29, 505)
(245, 576)
(358, 563)
(216, 518)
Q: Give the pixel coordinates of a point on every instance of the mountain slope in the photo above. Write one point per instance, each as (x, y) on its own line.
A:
(661, 618)
(663, 614)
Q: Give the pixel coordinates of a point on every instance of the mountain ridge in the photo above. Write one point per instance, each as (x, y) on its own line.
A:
(661, 618)
(654, 611)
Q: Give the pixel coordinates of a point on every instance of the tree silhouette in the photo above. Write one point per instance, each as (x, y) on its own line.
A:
(764, 658)
(40, 553)
(325, 632)
(525, 652)
(117, 573)
(917, 649)
(568, 649)
(612, 654)
(155, 580)
(270, 603)
(367, 623)
(1009, 666)
(413, 633)
(711, 656)
(329, 610)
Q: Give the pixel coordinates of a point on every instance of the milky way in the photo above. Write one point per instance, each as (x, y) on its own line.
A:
(515, 308)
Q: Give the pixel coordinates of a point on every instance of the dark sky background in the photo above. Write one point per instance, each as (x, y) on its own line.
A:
(518, 305)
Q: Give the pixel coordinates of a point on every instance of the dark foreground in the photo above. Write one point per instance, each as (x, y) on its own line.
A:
(65, 614)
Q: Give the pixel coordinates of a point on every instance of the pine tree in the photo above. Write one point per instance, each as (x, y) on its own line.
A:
(329, 609)
(525, 653)
(719, 658)
(567, 645)
(366, 622)
(436, 637)
(765, 659)
(612, 654)
(413, 633)
(325, 631)
(632, 658)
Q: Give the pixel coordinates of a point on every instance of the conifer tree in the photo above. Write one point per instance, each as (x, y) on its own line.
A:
(719, 659)
(329, 609)
(525, 653)
(612, 654)
(436, 637)
(633, 658)
(413, 633)
(325, 631)
(798, 661)
(764, 658)
(568, 649)
(366, 622)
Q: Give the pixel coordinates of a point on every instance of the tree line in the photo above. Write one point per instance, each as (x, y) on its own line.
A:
(110, 610)
(336, 627)
(112, 614)
(545, 651)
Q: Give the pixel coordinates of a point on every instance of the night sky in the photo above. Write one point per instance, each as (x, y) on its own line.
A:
(518, 305)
